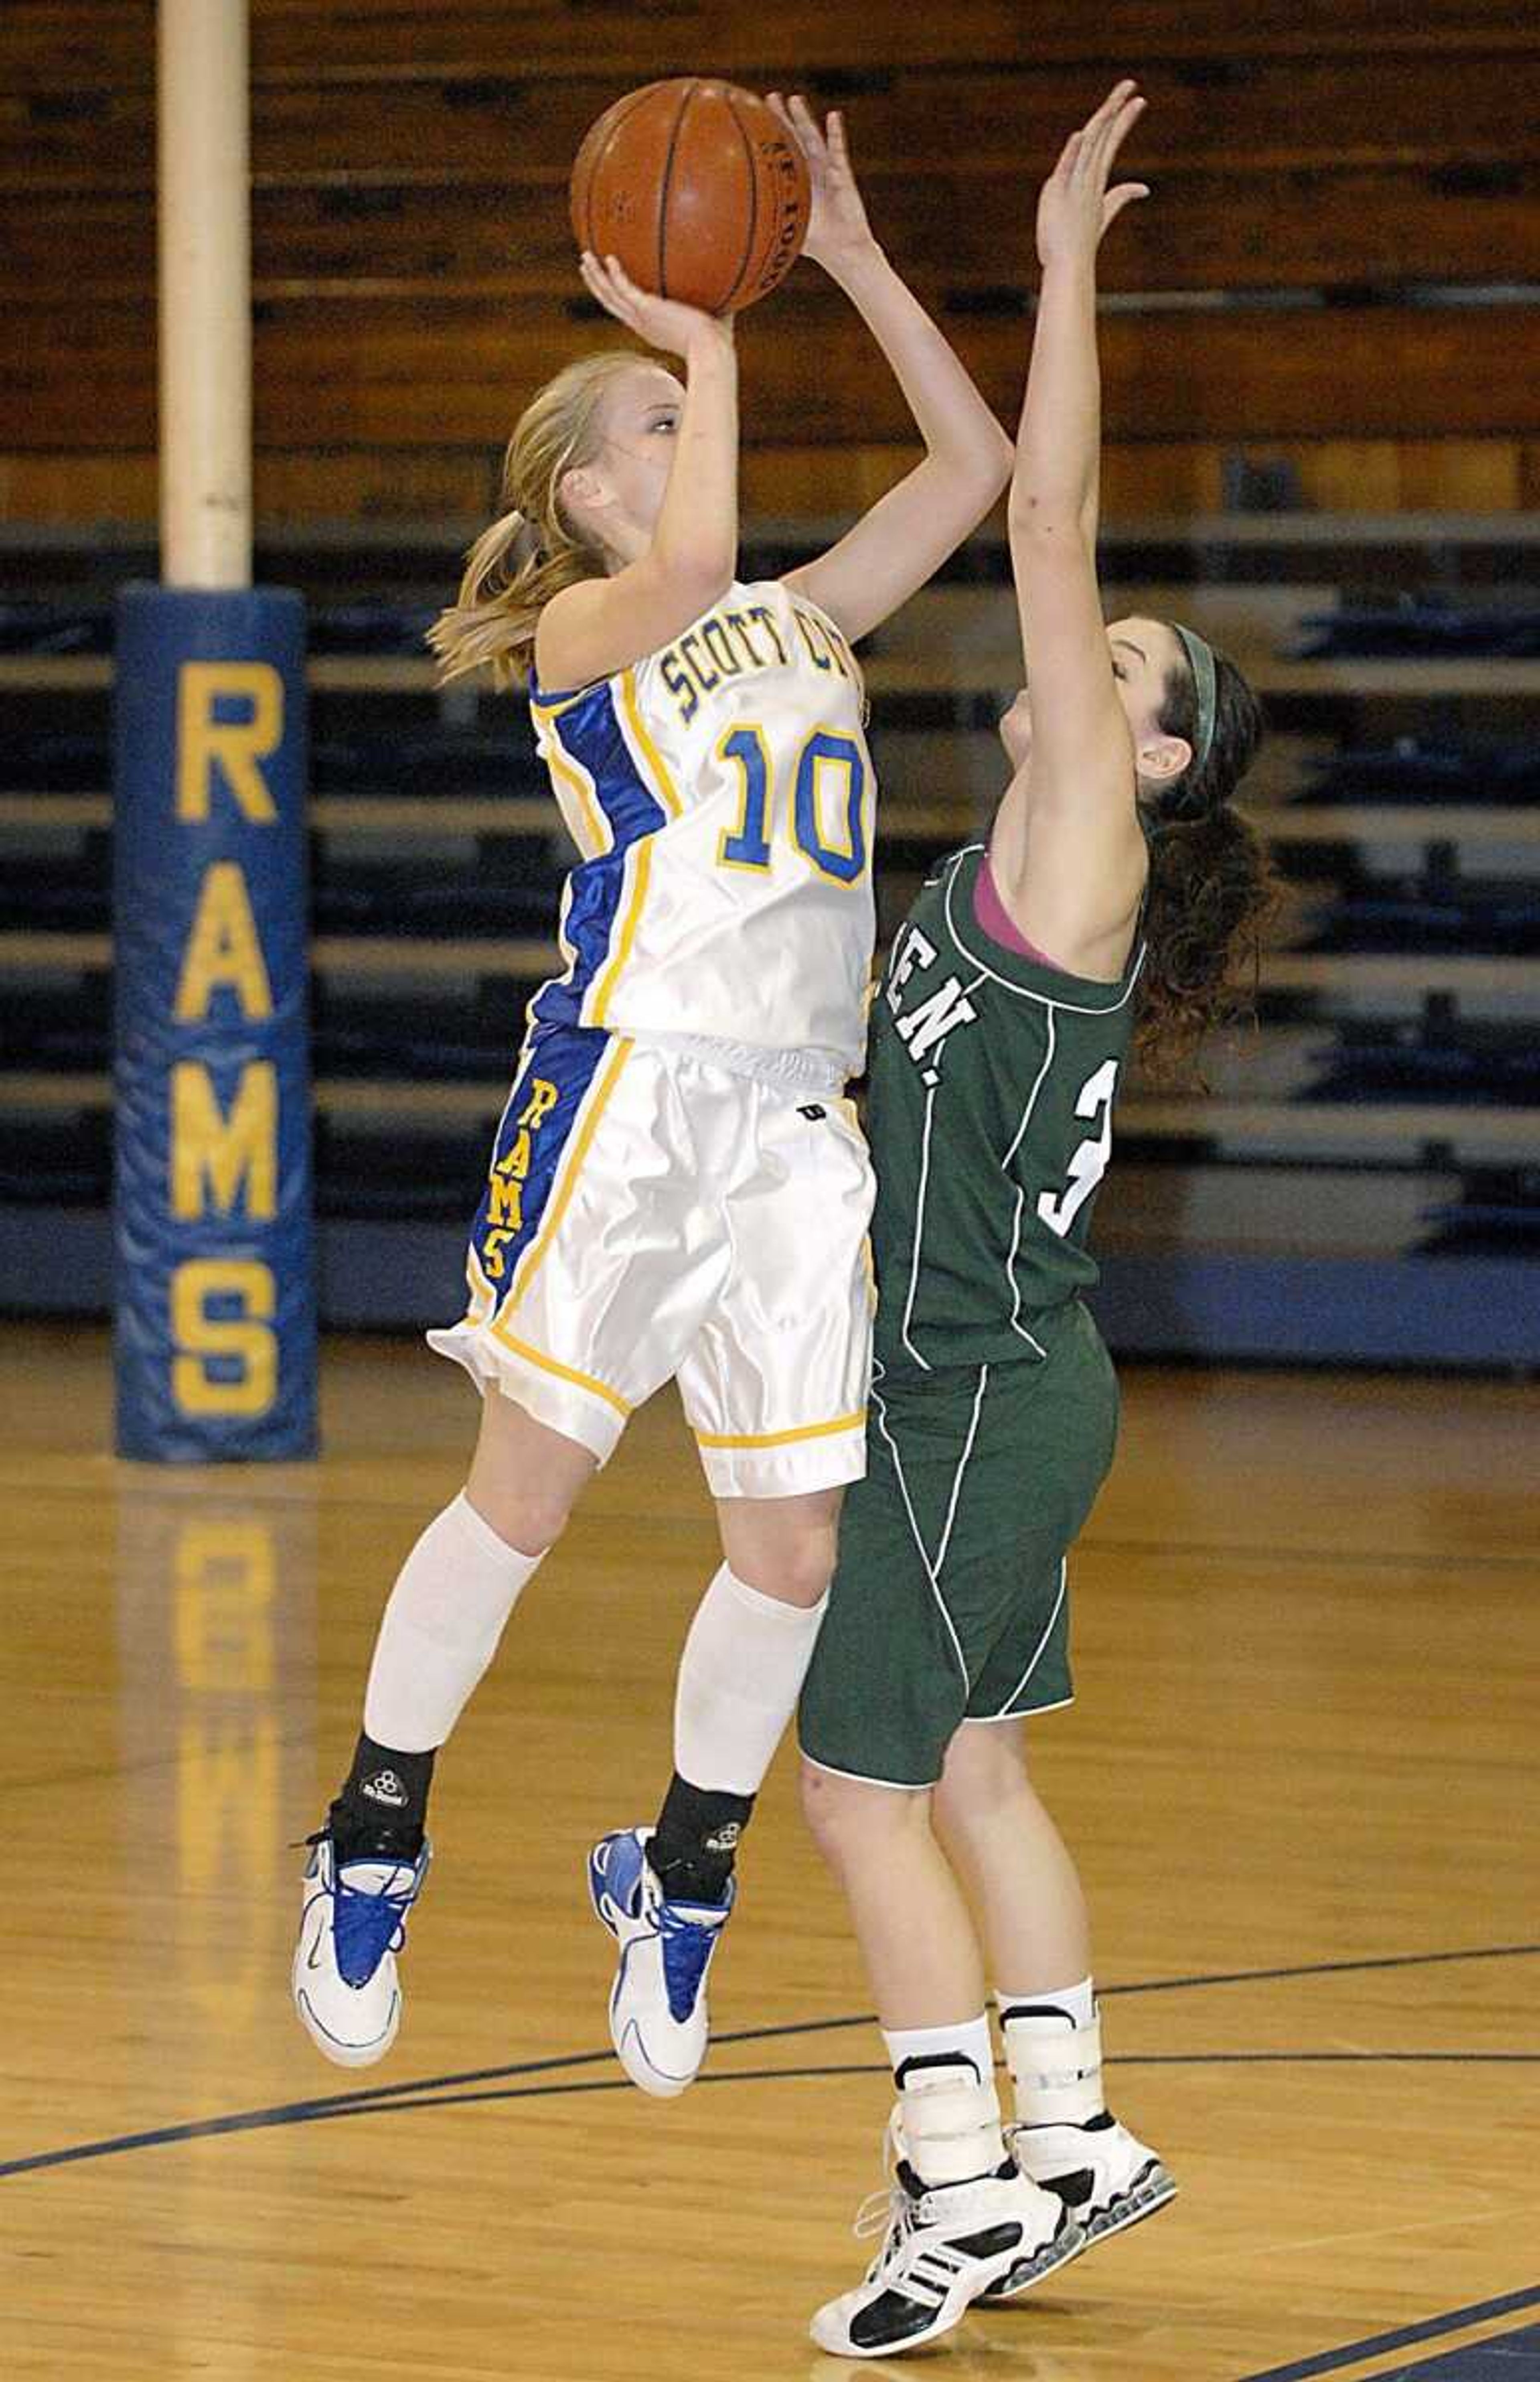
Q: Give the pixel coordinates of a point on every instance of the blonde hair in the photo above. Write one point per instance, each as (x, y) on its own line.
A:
(531, 550)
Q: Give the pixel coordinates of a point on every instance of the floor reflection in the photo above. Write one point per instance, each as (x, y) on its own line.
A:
(216, 1603)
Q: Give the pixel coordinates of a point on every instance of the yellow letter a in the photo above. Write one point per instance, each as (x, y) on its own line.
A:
(222, 949)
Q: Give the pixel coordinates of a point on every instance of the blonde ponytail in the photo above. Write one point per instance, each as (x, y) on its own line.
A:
(531, 550)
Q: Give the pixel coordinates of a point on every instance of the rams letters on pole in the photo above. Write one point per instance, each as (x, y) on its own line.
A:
(215, 1298)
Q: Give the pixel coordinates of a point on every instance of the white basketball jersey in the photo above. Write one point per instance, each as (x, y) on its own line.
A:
(721, 795)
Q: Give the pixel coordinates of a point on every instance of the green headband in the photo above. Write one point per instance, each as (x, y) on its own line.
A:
(1200, 661)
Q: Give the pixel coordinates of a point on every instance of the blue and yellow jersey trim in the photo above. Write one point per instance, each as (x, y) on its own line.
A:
(599, 751)
(564, 1083)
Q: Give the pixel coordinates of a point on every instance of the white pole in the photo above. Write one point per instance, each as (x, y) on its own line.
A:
(205, 294)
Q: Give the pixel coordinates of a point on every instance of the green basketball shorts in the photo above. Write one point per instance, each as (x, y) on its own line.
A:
(949, 1599)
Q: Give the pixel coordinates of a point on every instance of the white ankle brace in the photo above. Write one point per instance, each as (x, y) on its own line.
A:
(949, 2125)
(1055, 2068)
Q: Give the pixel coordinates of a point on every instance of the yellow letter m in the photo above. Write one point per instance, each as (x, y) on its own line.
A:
(215, 1153)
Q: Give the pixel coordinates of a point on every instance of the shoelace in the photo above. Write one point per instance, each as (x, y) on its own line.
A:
(687, 1947)
(890, 2211)
(366, 1925)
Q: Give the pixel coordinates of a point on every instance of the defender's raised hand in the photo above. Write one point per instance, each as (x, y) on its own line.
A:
(1076, 206)
(838, 229)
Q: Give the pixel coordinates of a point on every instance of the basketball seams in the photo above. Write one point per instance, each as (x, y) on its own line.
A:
(666, 176)
(623, 110)
(747, 259)
(659, 181)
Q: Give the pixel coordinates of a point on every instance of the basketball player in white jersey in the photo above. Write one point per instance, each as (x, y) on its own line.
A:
(676, 1189)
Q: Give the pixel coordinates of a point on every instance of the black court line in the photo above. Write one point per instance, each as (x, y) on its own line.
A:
(1320, 1969)
(1331, 2361)
(427, 2090)
(453, 2100)
(444, 2094)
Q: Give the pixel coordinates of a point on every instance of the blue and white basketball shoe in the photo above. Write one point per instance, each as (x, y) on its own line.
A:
(352, 1923)
(658, 2019)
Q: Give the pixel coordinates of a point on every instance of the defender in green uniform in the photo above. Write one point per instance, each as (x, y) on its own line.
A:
(994, 1406)
(1117, 901)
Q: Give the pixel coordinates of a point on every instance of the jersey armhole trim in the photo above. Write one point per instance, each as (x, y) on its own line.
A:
(563, 765)
(1123, 992)
(661, 784)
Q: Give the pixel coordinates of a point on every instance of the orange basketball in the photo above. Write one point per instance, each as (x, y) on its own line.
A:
(697, 188)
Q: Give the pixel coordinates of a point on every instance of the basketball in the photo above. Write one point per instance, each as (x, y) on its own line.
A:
(697, 188)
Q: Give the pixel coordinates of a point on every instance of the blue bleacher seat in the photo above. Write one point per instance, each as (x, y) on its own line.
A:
(368, 627)
(422, 1175)
(43, 628)
(40, 1030)
(1409, 626)
(1499, 920)
(1419, 770)
(49, 1162)
(1466, 1063)
(470, 1037)
(68, 890)
(1498, 1215)
(55, 760)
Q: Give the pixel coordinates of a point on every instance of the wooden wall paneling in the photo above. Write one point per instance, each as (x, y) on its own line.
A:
(94, 44)
(290, 36)
(954, 228)
(410, 373)
(1467, 109)
(1144, 480)
(306, 40)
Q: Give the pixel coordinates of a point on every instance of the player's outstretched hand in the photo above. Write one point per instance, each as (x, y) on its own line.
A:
(662, 321)
(1076, 205)
(838, 229)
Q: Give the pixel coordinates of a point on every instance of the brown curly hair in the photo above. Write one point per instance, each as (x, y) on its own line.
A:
(1212, 892)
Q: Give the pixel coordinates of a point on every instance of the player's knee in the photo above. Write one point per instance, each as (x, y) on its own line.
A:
(529, 1519)
(797, 1572)
(847, 1814)
(984, 1765)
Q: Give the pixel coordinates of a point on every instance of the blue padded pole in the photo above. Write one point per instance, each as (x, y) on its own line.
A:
(215, 1340)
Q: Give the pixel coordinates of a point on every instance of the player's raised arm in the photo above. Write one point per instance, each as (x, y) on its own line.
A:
(1072, 803)
(655, 587)
(906, 536)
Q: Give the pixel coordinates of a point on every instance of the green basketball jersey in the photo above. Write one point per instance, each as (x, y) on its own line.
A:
(990, 1120)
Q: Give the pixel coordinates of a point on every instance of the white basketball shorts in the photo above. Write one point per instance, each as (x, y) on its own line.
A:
(651, 1214)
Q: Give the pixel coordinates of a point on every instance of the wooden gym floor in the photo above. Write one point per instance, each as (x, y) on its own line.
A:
(1301, 1778)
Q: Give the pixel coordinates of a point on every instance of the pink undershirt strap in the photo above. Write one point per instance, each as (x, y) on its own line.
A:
(997, 922)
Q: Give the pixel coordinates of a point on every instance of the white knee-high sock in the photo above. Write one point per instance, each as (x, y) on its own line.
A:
(948, 2107)
(440, 1630)
(741, 1675)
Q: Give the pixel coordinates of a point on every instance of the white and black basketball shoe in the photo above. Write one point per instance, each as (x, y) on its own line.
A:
(944, 2248)
(1105, 2177)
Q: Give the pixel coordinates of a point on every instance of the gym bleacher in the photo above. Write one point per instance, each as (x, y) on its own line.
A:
(1323, 431)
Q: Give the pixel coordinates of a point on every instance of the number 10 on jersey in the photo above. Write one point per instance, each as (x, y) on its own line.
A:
(748, 846)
